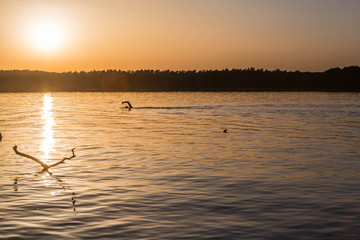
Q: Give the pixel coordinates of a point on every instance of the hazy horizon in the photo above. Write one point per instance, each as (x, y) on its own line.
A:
(177, 70)
(62, 36)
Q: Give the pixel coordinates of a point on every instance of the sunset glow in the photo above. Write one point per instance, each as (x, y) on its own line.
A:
(88, 35)
(190, 119)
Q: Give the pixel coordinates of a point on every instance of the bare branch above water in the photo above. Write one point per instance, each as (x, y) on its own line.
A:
(44, 165)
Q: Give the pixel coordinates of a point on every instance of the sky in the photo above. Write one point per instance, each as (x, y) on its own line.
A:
(86, 35)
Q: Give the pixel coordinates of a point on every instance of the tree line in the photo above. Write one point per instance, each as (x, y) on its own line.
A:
(250, 79)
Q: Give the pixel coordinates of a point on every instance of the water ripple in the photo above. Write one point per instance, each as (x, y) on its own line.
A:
(287, 168)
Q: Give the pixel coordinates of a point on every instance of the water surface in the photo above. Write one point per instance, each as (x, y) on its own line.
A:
(288, 167)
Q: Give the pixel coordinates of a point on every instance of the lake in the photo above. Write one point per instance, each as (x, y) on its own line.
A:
(288, 166)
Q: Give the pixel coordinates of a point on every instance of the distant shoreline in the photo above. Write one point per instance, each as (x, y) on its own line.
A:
(346, 79)
(228, 91)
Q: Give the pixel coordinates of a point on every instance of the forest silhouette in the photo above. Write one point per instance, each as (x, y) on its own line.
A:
(250, 79)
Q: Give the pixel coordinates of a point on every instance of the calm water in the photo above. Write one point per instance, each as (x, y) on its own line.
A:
(288, 168)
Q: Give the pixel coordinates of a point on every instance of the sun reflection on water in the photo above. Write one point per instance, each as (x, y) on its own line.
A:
(48, 120)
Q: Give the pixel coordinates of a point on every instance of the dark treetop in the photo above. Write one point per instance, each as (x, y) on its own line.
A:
(335, 79)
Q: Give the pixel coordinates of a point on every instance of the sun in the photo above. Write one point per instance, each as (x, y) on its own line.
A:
(47, 36)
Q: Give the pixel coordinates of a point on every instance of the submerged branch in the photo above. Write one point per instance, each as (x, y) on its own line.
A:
(44, 165)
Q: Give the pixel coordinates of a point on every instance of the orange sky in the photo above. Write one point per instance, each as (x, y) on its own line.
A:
(90, 35)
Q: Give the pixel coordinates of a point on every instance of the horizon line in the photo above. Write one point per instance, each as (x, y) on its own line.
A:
(188, 70)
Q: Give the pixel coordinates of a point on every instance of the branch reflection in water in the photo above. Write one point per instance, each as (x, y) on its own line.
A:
(60, 182)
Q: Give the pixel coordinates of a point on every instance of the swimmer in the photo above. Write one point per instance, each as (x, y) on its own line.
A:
(129, 104)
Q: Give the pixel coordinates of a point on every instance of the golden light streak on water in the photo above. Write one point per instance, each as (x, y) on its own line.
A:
(48, 120)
